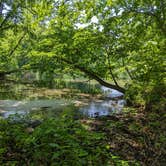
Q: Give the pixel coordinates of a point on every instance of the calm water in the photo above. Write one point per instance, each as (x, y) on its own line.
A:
(27, 99)
(103, 108)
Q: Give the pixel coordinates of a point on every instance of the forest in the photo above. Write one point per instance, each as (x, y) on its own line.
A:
(82, 82)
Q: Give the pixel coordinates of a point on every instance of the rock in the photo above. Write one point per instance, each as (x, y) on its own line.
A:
(34, 123)
(29, 129)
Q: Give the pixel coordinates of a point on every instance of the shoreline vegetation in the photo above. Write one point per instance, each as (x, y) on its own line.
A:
(125, 139)
(132, 137)
(82, 82)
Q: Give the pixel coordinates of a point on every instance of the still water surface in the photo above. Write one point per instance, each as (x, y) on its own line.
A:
(60, 99)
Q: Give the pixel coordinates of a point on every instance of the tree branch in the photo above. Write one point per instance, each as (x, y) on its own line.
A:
(19, 41)
(92, 75)
(5, 19)
(110, 69)
(127, 70)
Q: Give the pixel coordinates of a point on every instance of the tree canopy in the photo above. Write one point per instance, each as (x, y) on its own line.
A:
(106, 40)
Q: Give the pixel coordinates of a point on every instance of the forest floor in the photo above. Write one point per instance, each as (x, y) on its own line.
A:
(136, 136)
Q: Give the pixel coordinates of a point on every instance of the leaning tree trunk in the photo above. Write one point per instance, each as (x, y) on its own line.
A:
(92, 75)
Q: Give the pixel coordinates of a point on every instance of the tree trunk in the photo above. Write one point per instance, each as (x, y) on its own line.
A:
(89, 73)
(92, 75)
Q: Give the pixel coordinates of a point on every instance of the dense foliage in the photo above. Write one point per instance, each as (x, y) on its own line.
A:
(103, 39)
(64, 139)
(119, 43)
(57, 141)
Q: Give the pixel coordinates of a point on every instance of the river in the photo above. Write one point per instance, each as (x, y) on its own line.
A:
(23, 100)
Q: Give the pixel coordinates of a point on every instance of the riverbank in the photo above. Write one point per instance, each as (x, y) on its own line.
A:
(131, 138)
(135, 136)
(67, 126)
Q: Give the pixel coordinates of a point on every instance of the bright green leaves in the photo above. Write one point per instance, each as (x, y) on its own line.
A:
(59, 141)
(9, 49)
(126, 36)
(109, 2)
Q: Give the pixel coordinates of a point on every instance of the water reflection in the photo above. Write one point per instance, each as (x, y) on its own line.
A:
(28, 99)
(111, 92)
(10, 107)
(104, 108)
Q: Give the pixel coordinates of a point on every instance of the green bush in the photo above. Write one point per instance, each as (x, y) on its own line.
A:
(57, 141)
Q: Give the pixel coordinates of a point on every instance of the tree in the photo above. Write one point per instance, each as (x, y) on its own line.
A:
(103, 39)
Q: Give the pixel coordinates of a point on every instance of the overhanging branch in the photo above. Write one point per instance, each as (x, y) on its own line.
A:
(92, 75)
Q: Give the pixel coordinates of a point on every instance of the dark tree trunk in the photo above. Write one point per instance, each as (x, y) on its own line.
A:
(92, 75)
(1, 8)
(2, 76)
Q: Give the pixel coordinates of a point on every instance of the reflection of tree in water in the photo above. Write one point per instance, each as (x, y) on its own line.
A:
(103, 108)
